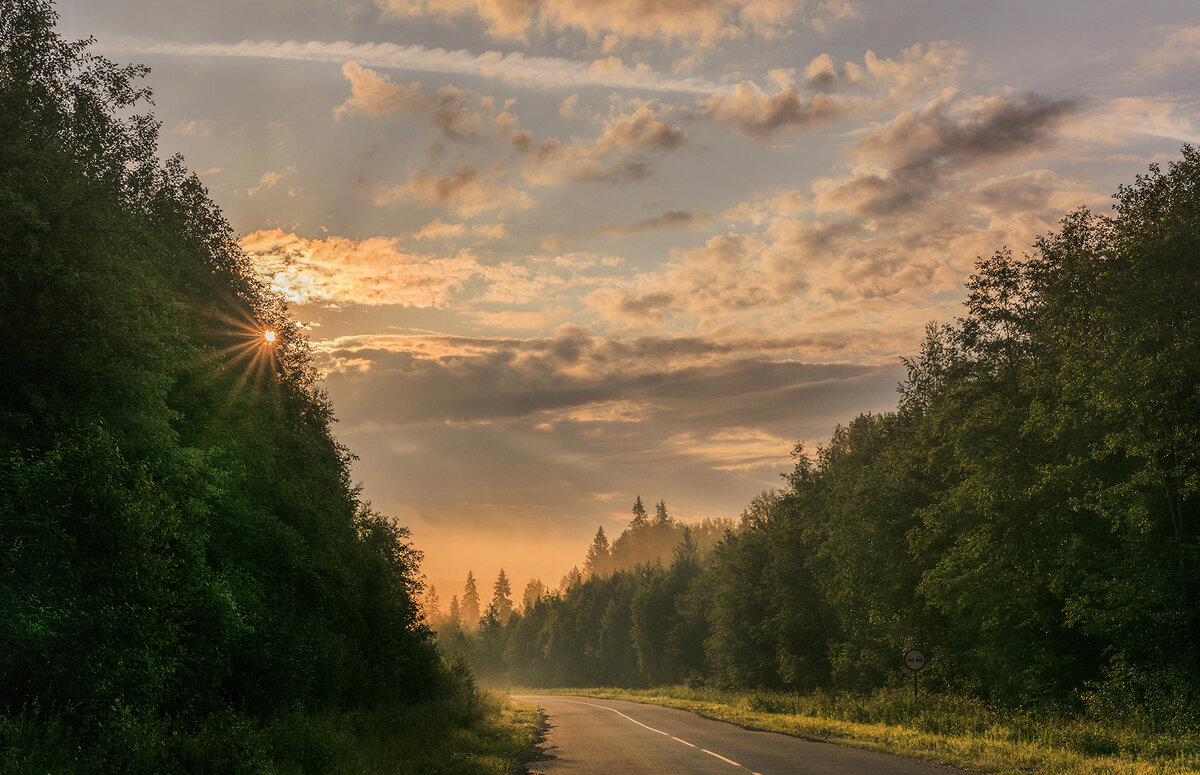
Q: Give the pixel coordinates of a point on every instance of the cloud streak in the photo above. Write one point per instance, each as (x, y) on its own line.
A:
(514, 68)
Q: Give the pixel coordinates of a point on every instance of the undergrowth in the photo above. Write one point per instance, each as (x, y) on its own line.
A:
(479, 734)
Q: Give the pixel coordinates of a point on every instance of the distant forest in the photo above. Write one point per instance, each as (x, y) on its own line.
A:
(1027, 515)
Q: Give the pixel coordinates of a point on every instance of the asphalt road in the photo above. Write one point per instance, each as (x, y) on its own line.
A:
(613, 737)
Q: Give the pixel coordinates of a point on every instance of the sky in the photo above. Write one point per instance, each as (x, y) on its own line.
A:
(554, 254)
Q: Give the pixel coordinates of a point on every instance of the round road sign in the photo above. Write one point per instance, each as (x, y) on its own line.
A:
(914, 659)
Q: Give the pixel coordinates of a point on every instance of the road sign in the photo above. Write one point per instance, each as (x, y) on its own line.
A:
(914, 660)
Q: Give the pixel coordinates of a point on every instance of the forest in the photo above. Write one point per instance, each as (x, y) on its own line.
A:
(1025, 516)
(190, 581)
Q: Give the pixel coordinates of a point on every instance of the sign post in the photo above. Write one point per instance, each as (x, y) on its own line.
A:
(914, 660)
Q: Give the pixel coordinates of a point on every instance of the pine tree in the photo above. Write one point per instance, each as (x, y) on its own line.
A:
(639, 514)
(661, 518)
(470, 604)
(502, 597)
(454, 618)
(599, 555)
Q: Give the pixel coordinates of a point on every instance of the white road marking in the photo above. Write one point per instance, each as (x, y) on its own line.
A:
(722, 758)
(659, 731)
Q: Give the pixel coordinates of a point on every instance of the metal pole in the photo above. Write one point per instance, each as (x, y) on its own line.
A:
(915, 674)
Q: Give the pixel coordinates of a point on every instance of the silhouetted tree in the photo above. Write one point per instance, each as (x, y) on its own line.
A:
(502, 597)
(597, 561)
(639, 514)
(470, 604)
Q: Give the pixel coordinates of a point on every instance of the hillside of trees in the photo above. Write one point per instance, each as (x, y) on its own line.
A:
(185, 559)
(1026, 515)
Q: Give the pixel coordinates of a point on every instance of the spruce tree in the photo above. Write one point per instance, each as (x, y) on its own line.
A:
(639, 514)
(502, 597)
(470, 603)
(599, 555)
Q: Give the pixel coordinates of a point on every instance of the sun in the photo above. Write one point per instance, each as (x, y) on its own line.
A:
(269, 336)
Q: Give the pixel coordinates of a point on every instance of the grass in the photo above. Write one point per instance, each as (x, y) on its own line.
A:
(497, 741)
(948, 730)
(476, 733)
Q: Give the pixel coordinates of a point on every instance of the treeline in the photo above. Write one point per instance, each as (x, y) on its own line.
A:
(1027, 514)
(184, 555)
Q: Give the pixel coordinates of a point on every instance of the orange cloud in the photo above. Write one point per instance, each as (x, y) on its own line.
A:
(375, 94)
(702, 21)
(466, 191)
(762, 115)
(337, 271)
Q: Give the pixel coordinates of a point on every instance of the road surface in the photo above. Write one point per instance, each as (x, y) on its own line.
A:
(613, 737)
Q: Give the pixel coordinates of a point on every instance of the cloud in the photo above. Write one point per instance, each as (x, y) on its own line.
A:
(734, 449)
(337, 271)
(902, 164)
(729, 275)
(439, 230)
(833, 93)
(267, 181)
(698, 21)
(570, 376)
(671, 219)
(762, 115)
(569, 109)
(376, 94)
(614, 157)
(1180, 47)
(466, 191)
(1114, 121)
(196, 127)
(920, 69)
(514, 68)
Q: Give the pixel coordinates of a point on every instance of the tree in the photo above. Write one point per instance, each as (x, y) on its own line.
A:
(470, 604)
(570, 579)
(639, 514)
(761, 509)
(182, 536)
(661, 518)
(535, 590)
(453, 619)
(598, 557)
(502, 597)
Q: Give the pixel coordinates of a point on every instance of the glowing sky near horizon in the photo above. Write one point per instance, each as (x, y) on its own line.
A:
(555, 254)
